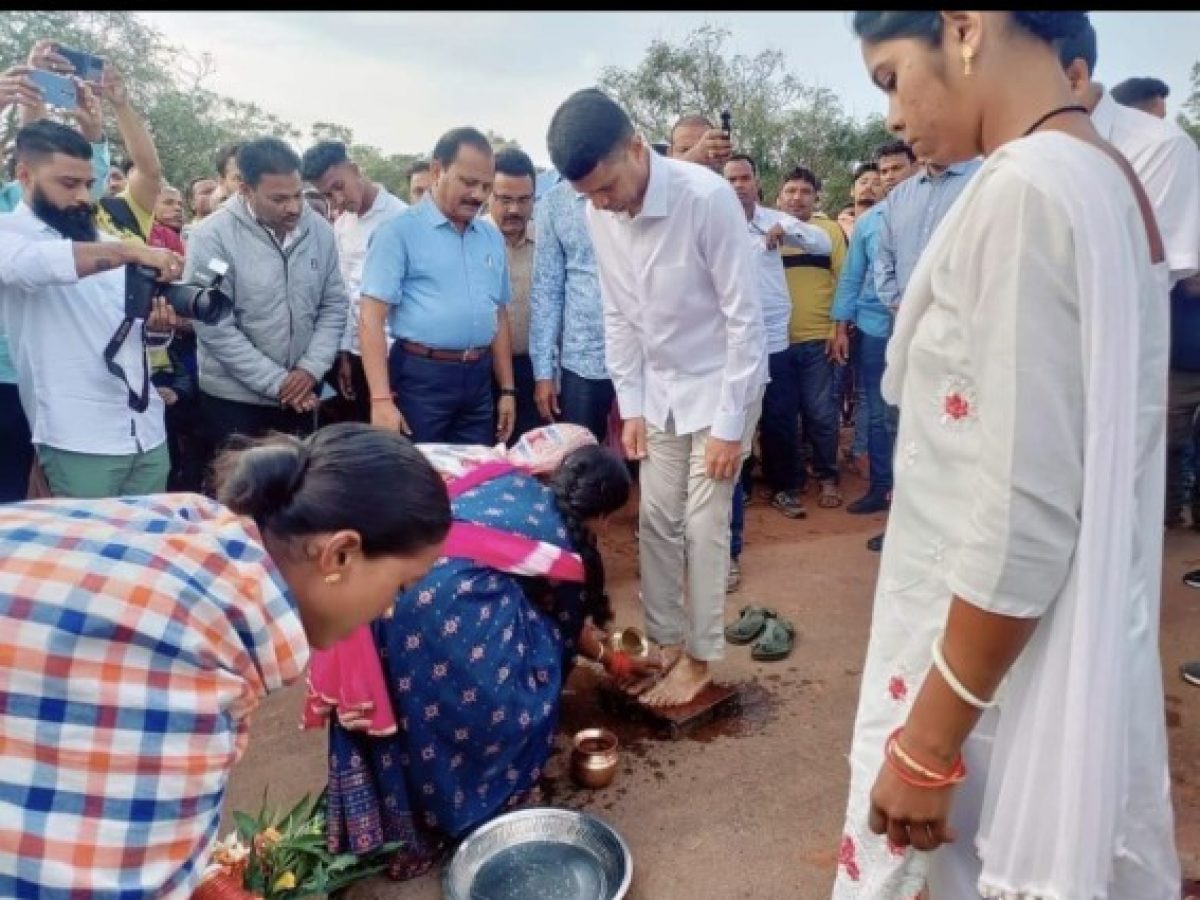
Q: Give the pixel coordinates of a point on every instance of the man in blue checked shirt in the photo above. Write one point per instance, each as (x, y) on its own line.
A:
(438, 274)
(858, 301)
(566, 337)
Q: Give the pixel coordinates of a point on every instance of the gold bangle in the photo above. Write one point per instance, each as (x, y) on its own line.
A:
(903, 756)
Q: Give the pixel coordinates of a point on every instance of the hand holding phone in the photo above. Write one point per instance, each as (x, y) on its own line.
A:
(727, 123)
(57, 90)
(87, 66)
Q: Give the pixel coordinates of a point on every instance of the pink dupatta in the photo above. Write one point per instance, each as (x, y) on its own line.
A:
(348, 677)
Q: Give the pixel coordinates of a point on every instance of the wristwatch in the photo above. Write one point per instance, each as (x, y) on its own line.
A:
(508, 392)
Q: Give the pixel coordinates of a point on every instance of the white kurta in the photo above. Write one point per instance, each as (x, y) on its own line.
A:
(1029, 362)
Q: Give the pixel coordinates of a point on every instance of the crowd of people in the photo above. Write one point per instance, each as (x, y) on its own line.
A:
(988, 319)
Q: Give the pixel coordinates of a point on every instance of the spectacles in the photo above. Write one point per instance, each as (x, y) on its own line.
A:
(501, 200)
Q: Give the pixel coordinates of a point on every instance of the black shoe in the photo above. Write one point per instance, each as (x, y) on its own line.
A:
(872, 502)
(1192, 578)
(1190, 672)
(875, 544)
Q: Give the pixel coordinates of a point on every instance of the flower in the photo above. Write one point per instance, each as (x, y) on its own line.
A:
(897, 688)
(284, 882)
(848, 857)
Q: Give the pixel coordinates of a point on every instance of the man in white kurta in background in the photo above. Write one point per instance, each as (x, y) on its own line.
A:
(686, 348)
(363, 205)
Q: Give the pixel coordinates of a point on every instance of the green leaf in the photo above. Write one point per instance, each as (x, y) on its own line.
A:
(247, 828)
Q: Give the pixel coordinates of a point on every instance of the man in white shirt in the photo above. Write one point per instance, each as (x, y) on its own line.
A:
(1167, 161)
(768, 230)
(685, 344)
(62, 298)
(365, 205)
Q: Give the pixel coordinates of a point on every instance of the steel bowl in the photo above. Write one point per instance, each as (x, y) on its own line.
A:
(542, 853)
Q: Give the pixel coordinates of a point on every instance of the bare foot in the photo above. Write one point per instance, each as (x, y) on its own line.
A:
(687, 678)
(636, 685)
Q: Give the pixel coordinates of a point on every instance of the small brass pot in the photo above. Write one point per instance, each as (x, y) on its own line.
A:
(629, 641)
(594, 758)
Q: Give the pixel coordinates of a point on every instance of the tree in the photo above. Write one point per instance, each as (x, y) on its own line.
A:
(1189, 119)
(777, 118)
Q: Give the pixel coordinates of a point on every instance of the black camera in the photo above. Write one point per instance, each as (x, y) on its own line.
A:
(201, 298)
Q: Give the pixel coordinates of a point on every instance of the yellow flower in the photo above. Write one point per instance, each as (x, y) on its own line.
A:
(284, 882)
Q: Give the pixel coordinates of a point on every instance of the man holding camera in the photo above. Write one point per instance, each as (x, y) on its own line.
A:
(261, 368)
(62, 300)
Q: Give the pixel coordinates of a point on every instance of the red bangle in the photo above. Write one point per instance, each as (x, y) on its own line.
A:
(915, 775)
(619, 665)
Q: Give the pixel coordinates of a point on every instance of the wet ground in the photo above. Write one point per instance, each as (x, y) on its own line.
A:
(751, 806)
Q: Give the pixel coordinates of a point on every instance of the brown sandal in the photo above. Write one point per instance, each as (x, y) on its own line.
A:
(830, 497)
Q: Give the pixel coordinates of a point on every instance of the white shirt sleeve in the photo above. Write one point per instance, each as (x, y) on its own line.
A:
(735, 281)
(805, 236)
(31, 264)
(622, 345)
(1024, 383)
(1171, 176)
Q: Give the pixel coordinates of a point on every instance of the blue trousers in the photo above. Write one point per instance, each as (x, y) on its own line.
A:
(444, 402)
(586, 402)
(880, 433)
(800, 385)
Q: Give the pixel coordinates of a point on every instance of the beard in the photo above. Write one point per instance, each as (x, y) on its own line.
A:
(75, 222)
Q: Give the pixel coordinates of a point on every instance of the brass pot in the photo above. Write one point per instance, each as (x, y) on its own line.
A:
(629, 641)
(594, 758)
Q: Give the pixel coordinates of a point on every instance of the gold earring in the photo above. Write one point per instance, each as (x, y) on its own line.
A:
(333, 578)
(968, 54)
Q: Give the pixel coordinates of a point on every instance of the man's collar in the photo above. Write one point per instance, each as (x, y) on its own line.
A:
(434, 216)
(1104, 114)
(655, 203)
(525, 238)
(958, 168)
(24, 209)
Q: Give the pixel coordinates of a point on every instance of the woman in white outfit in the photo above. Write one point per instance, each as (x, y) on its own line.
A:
(1010, 738)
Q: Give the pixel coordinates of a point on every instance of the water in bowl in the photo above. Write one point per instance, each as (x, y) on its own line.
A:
(540, 870)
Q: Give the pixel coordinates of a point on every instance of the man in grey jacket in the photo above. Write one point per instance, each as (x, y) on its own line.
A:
(261, 367)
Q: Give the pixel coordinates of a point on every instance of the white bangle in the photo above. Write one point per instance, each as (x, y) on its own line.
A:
(600, 655)
(957, 686)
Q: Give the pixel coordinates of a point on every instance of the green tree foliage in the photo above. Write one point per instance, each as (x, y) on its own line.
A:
(777, 118)
(1189, 119)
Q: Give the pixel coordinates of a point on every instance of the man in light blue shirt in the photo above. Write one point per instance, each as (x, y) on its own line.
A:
(566, 333)
(912, 214)
(858, 301)
(438, 274)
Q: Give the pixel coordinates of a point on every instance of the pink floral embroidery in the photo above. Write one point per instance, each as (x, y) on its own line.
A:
(897, 688)
(957, 406)
(848, 858)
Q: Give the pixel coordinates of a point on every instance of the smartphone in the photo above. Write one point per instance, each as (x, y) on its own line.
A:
(727, 123)
(87, 65)
(57, 90)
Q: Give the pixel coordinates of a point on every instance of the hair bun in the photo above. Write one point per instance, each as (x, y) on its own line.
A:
(1050, 26)
(264, 479)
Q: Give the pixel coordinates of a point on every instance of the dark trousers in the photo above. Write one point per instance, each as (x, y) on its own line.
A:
(342, 409)
(222, 420)
(444, 402)
(16, 447)
(880, 434)
(586, 402)
(528, 417)
(1183, 399)
(800, 387)
(186, 443)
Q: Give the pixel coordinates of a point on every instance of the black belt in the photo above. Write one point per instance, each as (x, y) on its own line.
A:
(470, 355)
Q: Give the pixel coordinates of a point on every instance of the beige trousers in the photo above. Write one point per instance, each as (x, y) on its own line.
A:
(684, 524)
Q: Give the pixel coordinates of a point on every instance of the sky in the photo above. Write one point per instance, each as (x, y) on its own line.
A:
(401, 79)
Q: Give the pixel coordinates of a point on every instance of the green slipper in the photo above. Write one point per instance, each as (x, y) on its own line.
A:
(778, 637)
(749, 624)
